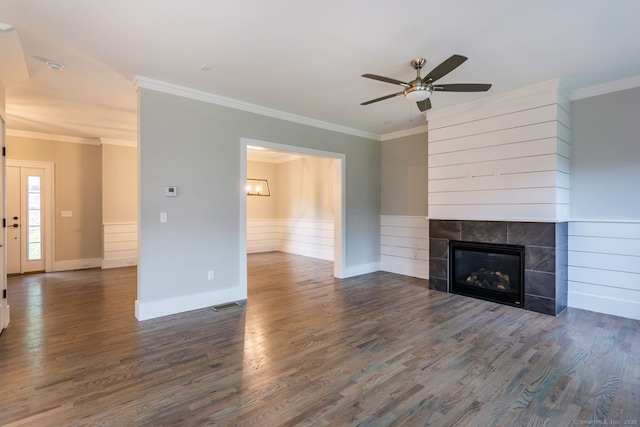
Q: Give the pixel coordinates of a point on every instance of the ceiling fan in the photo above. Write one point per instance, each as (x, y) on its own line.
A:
(420, 89)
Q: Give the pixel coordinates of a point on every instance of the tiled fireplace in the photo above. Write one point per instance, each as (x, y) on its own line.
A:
(545, 256)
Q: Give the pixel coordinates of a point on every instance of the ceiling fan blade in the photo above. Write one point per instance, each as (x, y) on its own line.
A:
(424, 105)
(463, 87)
(382, 98)
(445, 68)
(386, 79)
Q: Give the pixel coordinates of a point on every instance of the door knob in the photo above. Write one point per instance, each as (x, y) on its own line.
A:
(15, 218)
(15, 225)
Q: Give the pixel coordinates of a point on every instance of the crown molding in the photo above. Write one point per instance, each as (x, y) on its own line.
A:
(120, 142)
(403, 133)
(198, 95)
(604, 88)
(52, 137)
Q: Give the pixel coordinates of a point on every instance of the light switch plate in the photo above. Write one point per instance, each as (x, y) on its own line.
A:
(163, 217)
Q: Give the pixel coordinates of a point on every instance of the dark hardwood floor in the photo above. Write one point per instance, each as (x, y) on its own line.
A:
(307, 349)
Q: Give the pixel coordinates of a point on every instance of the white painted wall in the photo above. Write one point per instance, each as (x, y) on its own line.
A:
(502, 158)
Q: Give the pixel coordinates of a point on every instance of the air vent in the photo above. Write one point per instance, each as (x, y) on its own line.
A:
(226, 306)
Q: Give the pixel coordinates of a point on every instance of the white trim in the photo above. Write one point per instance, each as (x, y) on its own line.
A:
(358, 270)
(402, 133)
(49, 202)
(181, 304)
(52, 137)
(5, 317)
(604, 304)
(117, 263)
(198, 95)
(76, 264)
(120, 142)
(339, 201)
(604, 88)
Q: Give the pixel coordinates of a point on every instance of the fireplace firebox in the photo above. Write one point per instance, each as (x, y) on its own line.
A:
(488, 271)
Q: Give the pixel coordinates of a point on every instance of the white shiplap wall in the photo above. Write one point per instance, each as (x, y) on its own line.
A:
(404, 245)
(120, 245)
(505, 157)
(604, 267)
(313, 238)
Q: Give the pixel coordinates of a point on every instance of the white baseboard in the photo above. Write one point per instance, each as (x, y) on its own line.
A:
(600, 304)
(77, 264)
(118, 262)
(414, 268)
(357, 270)
(152, 309)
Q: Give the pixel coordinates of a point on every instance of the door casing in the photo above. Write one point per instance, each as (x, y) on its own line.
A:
(47, 205)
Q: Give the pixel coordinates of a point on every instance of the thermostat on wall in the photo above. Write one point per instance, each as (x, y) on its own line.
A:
(171, 191)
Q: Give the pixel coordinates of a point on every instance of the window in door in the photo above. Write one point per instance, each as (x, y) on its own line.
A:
(34, 216)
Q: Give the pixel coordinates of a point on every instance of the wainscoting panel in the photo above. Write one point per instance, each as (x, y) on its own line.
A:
(313, 238)
(263, 235)
(120, 245)
(404, 245)
(604, 267)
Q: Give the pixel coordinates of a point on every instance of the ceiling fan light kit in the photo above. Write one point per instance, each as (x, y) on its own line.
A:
(419, 90)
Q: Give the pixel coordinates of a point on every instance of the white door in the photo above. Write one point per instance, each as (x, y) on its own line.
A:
(25, 219)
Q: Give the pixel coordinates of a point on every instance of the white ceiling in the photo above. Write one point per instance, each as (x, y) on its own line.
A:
(298, 57)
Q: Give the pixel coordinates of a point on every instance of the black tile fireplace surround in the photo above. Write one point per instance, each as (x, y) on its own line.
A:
(546, 256)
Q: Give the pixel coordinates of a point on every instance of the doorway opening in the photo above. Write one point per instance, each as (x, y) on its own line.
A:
(312, 227)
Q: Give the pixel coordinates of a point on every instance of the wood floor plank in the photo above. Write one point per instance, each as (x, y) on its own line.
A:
(307, 349)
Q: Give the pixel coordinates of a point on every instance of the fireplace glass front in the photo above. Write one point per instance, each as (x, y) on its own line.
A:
(493, 272)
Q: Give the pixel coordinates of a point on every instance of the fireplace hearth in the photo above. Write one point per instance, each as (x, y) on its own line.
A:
(487, 271)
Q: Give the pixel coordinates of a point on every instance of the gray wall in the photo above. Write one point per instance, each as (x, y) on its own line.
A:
(404, 188)
(77, 188)
(605, 157)
(196, 146)
(119, 189)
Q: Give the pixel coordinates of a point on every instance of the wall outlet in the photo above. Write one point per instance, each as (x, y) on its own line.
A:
(211, 275)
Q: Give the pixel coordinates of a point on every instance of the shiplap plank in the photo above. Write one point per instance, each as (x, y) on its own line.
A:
(419, 233)
(614, 279)
(547, 113)
(404, 266)
(407, 253)
(404, 221)
(605, 245)
(514, 212)
(120, 254)
(405, 242)
(500, 197)
(120, 246)
(120, 228)
(623, 230)
(543, 163)
(625, 263)
(499, 182)
(515, 150)
(531, 132)
(120, 237)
